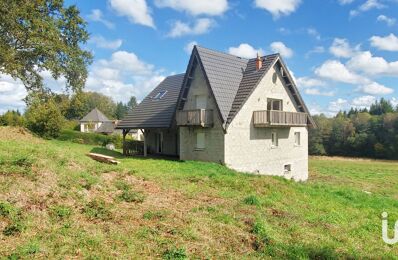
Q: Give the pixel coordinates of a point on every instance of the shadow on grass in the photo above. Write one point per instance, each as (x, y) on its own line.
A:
(104, 151)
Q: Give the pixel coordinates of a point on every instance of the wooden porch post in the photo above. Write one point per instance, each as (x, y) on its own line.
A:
(124, 141)
(145, 142)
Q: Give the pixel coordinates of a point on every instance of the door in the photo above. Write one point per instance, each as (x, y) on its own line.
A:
(159, 142)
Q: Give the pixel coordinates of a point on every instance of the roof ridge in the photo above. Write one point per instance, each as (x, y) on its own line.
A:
(222, 52)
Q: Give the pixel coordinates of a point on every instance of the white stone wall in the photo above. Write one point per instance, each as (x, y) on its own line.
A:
(214, 136)
(249, 149)
(84, 127)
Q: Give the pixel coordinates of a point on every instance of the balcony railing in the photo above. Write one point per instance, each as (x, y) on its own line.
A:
(269, 118)
(195, 117)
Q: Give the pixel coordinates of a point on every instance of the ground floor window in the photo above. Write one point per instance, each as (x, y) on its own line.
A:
(297, 139)
(274, 139)
(200, 141)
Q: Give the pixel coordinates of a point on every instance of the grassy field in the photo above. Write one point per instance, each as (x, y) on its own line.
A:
(57, 203)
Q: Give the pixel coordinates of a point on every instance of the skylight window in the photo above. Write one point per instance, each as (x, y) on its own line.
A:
(160, 95)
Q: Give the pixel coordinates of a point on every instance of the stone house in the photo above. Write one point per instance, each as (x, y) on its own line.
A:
(244, 113)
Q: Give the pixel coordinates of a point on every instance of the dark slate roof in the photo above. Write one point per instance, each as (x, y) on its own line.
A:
(95, 116)
(106, 128)
(251, 78)
(155, 113)
(224, 73)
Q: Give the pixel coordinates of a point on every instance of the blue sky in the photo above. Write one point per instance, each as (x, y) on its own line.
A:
(342, 53)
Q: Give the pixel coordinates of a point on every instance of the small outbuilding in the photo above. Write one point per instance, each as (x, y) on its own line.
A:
(96, 120)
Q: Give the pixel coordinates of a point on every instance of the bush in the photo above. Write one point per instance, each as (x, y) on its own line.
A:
(90, 138)
(44, 119)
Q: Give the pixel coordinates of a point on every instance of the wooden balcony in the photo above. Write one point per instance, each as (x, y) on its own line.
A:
(195, 117)
(272, 118)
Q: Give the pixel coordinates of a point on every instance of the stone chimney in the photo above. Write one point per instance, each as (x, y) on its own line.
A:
(259, 62)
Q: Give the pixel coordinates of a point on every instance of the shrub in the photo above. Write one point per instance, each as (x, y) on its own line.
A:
(90, 138)
(44, 118)
(175, 254)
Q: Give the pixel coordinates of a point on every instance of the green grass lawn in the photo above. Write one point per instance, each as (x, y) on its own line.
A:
(55, 202)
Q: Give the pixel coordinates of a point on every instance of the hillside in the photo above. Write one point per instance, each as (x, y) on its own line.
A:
(57, 203)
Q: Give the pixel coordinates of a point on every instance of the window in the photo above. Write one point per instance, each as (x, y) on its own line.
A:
(274, 139)
(201, 102)
(274, 104)
(200, 141)
(297, 140)
(160, 94)
(287, 168)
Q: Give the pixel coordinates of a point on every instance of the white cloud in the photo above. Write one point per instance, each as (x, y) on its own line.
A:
(394, 102)
(12, 93)
(136, 11)
(304, 82)
(341, 48)
(345, 2)
(318, 92)
(123, 75)
(337, 105)
(363, 101)
(375, 88)
(316, 49)
(101, 42)
(368, 5)
(313, 32)
(282, 49)
(387, 43)
(202, 7)
(245, 50)
(336, 71)
(278, 8)
(189, 47)
(201, 26)
(370, 65)
(389, 21)
(97, 16)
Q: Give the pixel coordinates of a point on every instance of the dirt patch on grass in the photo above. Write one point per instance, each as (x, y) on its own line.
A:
(18, 134)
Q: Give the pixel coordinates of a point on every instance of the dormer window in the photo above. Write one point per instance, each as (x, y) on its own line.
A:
(160, 95)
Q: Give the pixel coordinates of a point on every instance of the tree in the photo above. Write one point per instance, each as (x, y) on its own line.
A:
(104, 103)
(12, 118)
(381, 108)
(43, 117)
(132, 103)
(121, 110)
(43, 35)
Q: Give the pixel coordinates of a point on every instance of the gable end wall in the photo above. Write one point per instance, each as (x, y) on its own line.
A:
(249, 149)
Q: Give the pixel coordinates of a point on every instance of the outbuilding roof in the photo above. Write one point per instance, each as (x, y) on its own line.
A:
(94, 116)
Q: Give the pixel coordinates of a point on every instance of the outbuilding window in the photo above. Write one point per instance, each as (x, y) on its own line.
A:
(200, 141)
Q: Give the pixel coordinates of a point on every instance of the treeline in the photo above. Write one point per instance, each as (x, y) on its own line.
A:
(369, 133)
(47, 113)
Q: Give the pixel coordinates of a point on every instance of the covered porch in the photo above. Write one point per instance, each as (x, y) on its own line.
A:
(156, 141)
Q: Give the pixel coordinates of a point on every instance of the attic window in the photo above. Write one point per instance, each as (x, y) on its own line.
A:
(160, 95)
